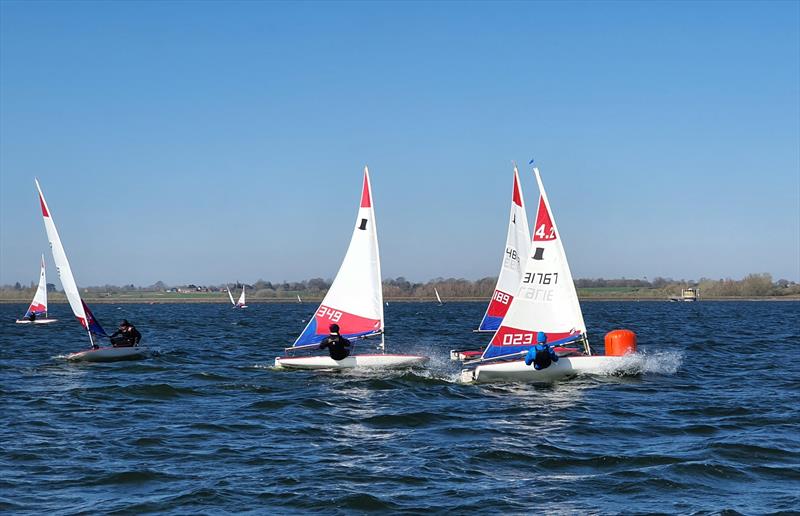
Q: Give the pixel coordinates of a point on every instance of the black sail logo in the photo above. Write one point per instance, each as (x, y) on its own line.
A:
(539, 253)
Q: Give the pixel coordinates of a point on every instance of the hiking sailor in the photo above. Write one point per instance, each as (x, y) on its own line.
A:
(338, 346)
(541, 355)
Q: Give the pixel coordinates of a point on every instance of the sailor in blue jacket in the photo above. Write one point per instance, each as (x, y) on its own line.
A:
(541, 355)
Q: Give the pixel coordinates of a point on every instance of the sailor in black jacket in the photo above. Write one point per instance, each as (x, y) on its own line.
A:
(338, 346)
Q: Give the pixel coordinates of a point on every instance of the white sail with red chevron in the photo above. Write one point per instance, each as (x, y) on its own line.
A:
(355, 299)
(515, 256)
(79, 308)
(546, 299)
(39, 304)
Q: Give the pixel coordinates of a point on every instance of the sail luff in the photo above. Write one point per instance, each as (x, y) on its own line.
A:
(377, 250)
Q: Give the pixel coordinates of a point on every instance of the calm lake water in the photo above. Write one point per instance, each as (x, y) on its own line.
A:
(711, 424)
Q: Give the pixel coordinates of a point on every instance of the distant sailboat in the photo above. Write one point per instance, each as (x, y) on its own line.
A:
(354, 302)
(546, 301)
(38, 307)
(438, 298)
(298, 299)
(79, 307)
(241, 302)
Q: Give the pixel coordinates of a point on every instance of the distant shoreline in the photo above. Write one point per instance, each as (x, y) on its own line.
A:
(189, 300)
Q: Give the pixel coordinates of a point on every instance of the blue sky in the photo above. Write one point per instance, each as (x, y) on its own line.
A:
(211, 142)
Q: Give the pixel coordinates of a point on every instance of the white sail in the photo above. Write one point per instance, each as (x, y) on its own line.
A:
(438, 298)
(546, 299)
(79, 308)
(241, 301)
(298, 299)
(515, 256)
(355, 299)
(60, 259)
(230, 295)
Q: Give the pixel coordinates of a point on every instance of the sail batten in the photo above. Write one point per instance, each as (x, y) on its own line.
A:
(515, 256)
(355, 298)
(546, 299)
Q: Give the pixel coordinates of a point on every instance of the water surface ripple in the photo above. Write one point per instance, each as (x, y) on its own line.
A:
(711, 424)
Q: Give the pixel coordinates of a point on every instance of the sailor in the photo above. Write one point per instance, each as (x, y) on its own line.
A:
(542, 354)
(126, 335)
(338, 346)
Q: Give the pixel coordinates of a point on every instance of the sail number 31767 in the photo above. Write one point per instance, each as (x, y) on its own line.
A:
(544, 278)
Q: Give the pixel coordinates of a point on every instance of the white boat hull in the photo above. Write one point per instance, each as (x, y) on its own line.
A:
(351, 362)
(109, 354)
(37, 321)
(566, 367)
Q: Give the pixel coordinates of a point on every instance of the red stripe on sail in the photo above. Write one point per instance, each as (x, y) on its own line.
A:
(44, 206)
(366, 202)
(499, 304)
(517, 195)
(508, 336)
(349, 324)
(544, 229)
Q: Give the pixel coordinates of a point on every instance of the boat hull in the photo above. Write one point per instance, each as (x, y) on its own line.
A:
(37, 321)
(566, 367)
(462, 355)
(109, 354)
(351, 362)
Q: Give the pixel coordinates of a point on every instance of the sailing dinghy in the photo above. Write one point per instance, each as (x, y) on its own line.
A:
(354, 302)
(38, 307)
(438, 298)
(515, 255)
(547, 301)
(79, 307)
(241, 302)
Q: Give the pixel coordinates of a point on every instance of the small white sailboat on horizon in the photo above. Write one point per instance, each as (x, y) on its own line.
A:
(354, 302)
(37, 310)
(85, 316)
(547, 301)
(241, 303)
(438, 298)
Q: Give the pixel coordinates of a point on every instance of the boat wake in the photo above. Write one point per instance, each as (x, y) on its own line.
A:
(662, 362)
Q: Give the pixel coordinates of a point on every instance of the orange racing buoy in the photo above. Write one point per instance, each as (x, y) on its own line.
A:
(620, 342)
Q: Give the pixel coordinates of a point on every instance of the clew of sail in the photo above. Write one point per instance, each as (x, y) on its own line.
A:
(79, 308)
(546, 299)
(355, 299)
(39, 304)
(515, 257)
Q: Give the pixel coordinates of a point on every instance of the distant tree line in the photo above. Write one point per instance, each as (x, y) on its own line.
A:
(752, 285)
